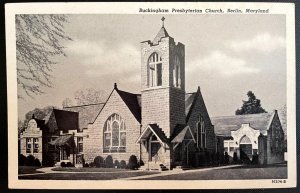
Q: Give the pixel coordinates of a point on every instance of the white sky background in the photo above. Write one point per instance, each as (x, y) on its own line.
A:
(226, 55)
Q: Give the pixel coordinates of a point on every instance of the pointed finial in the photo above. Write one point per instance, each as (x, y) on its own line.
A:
(163, 21)
(115, 86)
(32, 116)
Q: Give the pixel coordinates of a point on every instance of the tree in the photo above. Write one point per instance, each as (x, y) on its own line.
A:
(67, 102)
(39, 38)
(89, 96)
(39, 113)
(252, 106)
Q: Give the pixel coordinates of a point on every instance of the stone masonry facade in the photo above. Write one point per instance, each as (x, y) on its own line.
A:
(94, 143)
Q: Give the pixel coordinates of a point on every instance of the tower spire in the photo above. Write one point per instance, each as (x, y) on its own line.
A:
(163, 21)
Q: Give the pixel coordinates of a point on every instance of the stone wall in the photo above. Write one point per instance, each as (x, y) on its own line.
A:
(30, 133)
(275, 141)
(156, 108)
(197, 110)
(93, 145)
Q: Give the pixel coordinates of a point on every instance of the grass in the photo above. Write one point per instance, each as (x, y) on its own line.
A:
(86, 176)
(72, 169)
(238, 173)
(28, 169)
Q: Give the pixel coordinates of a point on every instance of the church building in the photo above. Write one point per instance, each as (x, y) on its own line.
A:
(164, 127)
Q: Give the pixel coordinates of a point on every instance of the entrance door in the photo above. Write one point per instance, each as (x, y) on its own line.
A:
(155, 146)
(246, 150)
(64, 154)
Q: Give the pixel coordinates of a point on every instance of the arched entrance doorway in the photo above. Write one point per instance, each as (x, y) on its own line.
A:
(245, 148)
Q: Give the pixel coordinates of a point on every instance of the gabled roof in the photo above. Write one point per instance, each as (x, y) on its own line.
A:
(64, 120)
(153, 128)
(161, 34)
(133, 102)
(40, 123)
(87, 113)
(224, 125)
(180, 132)
(190, 102)
(189, 99)
(62, 140)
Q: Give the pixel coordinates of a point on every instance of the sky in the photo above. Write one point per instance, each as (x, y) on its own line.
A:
(226, 55)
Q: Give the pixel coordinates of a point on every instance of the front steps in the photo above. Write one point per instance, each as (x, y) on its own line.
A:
(152, 166)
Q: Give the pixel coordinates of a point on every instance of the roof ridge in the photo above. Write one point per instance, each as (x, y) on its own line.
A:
(127, 92)
(85, 105)
(256, 114)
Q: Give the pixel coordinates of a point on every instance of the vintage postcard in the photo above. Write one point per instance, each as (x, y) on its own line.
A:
(151, 95)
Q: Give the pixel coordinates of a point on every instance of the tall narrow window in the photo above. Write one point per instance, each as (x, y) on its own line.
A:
(154, 70)
(28, 145)
(114, 138)
(80, 144)
(176, 72)
(159, 74)
(35, 145)
(201, 133)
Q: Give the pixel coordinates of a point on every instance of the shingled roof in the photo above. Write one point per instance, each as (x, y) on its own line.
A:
(133, 102)
(224, 125)
(161, 34)
(153, 128)
(87, 113)
(61, 120)
(189, 99)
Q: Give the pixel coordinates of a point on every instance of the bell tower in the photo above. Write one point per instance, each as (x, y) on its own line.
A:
(163, 81)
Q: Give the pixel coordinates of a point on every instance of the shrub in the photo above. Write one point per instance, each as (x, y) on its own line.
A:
(37, 162)
(202, 160)
(221, 158)
(22, 160)
(235, 158)
(122, 164)
(48, 160)
(69, 164)
(226, 158)
(117, 164)
(98, 162)
(63, 164)
(133, 162)
(92, 164)
(207, 159)
(29, 160)
(109, 162)
(85, 165)
(141, 163)
(255, 159)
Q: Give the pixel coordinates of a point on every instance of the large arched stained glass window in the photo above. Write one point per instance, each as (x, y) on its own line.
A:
(114, 134)
(154, 70)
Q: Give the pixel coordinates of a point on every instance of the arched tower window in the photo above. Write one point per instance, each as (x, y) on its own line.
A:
(154, 70)
(114, 139)
(176, 72)
(201, 133)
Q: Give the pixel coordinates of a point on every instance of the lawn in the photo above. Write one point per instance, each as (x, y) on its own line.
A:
(72, 169)
(28, 170)
(86, 176)
(238, 173)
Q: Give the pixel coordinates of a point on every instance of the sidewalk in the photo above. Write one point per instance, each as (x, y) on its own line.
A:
(48, 170)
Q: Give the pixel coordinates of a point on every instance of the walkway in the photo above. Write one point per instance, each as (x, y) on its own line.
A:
(48, 170)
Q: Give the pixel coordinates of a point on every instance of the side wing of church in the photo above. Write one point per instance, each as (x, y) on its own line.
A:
(252, 135)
